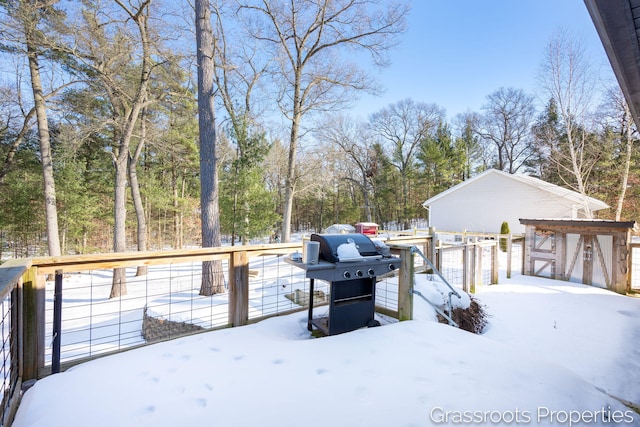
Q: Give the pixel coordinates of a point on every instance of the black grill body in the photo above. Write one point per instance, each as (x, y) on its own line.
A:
(329, 244)
(352, 281)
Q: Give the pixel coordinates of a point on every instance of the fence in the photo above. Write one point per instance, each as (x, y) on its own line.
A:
(166, 303)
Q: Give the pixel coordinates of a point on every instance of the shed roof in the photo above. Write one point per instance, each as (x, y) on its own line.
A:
(599, 223)
(574, 196)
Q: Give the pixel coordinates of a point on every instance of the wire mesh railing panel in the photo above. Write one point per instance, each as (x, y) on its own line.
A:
(452, 265)
(9, 372)
(164, 303)
(487, 265)
(277, 287)
(517, 251)
(179, 300)
(387, 292)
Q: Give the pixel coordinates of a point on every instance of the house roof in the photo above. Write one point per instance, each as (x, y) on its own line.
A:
(618, 25)
(594, 204)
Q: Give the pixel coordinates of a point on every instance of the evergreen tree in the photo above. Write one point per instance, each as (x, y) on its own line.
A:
(246, 206)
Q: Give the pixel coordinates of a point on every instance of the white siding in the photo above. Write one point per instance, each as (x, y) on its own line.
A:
(484, 204)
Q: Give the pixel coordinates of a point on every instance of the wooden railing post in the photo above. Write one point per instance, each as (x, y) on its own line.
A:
(495, 264)
(434, 246)
(239, 289)
(34, 322)
(405, 285)
(467, 269)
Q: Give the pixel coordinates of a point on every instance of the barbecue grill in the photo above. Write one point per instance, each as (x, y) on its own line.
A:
(350, 263)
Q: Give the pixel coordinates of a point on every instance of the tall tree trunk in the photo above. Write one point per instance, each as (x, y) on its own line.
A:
(139, 209)
(212, 277)
(135, 193)
(119, 284)
(122, 160)
(51, 211)
(290, 182)
(628, 120)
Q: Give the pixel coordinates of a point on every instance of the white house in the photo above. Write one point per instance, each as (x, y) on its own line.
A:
(482, 203)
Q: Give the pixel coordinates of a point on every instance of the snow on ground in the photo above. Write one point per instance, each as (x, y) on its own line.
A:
(554, 354)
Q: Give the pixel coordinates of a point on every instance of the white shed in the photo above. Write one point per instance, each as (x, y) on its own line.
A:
(482, 203)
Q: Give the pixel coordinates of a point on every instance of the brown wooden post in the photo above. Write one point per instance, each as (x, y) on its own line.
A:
(434, 243)
(561, 251)
(34, 323)
(626, 261)
(523, 245)
(477, 266)
(530, 233)
(495, 265)
(405, 285)
(466, 262)
(438, 255)
(619, 264)
(588, 255)
(239, 289)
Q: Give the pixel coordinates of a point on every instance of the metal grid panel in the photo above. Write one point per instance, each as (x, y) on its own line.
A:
(277, 287)
(92, 323)
(9, 370)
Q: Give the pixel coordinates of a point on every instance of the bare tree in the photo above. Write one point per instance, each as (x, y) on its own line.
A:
(212, 278)
(352, 138)
(402, 126)
(566, 77)
(466, 125)
(310, 40)
(239, 70)
(622, 122)
(14, 122)
(506, 123)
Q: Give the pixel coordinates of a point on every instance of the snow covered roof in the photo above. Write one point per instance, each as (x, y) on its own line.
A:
(340, 228)
(579, 222)
(574, 196)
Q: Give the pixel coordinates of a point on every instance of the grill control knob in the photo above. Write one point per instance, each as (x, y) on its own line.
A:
(346, 275)
(392, 267)
(359, 273)
(371, 272)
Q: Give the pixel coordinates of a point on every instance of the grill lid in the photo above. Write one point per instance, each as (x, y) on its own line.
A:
(345, 247)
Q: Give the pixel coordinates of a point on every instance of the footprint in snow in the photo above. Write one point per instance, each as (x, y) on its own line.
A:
(147, 410)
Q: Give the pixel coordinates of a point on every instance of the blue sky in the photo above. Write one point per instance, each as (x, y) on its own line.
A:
(456, 52)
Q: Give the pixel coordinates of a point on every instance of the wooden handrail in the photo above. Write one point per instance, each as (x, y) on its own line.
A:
(69, 263)
(11, 272)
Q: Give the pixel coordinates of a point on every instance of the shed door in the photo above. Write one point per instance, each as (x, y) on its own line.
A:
(589, 259)
(543, 253)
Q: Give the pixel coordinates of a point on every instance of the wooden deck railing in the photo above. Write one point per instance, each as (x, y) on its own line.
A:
(259, 285)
